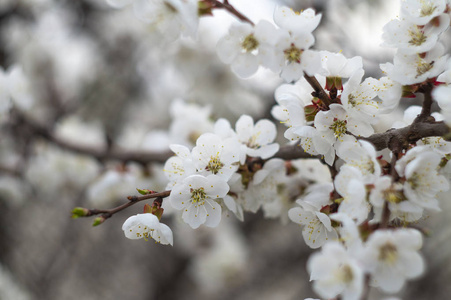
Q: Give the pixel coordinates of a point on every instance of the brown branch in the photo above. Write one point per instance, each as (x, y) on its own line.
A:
(398, 139)
(226, 5)
(143, 157)
(427, 103)
(108, 213)
(289, 152)
(320, 93)
(394, 139)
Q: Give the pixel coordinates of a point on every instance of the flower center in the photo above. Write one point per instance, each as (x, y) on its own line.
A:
(388, 253)
(352, 100)
(427, 9)
(394, 195)
(198, 196)
(250, 43)
(423, 67)
(346, 274)
(368, 166)
(252, 142)
(414, 181)
(214, 165)
(293, 54)
(339, 128)
(417, 37)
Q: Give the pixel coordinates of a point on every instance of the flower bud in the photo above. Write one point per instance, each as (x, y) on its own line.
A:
(78, 212)
(98, 221)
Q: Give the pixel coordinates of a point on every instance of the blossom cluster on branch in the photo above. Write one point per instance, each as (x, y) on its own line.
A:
(366, 189)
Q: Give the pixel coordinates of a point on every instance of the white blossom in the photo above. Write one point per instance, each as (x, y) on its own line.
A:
(197, 197)
(411, 38)
(317, 225)
(214, 155)
(305, 21)
(247, 47)
(178, 167)
(337, 65)
(256, 140)
(391, 257)
(293, 56)
(400, 207)
(336, 272)
(421, 12)
(361, 155)
(390, 92)
(423, 181)
(147, 226)
(358, 98)
(412, 68)
(349, 184)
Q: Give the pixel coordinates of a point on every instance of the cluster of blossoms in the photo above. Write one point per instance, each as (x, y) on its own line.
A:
(360, 218)
(284, 49)
(201, 178)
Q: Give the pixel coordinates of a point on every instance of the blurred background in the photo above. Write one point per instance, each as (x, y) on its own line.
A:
(88, 78)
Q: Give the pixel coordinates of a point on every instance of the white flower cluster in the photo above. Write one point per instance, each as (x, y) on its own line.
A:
(415, 34)
(285, 49)
(322, 129)
(388, 256)
(329, 108)
(201, 178)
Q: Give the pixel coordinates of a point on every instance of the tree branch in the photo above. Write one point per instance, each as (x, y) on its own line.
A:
(398, 139)
(427, 103)
(320, 93)
(143, 157)
(226, 5)
(108, 213)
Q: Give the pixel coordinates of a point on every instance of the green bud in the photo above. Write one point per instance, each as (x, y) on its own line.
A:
(78, 212)
(98, 221)
(144, 191)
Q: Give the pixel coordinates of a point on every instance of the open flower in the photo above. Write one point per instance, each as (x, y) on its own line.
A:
(214, 155)
(197, 195)
(317, 225)
(392, 256)
(256, 141)
(147, 226)
(247, 47)
(336, 272)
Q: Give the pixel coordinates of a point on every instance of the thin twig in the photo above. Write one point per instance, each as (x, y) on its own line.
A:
(225, 5)
(320, 93)
(108, 213)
